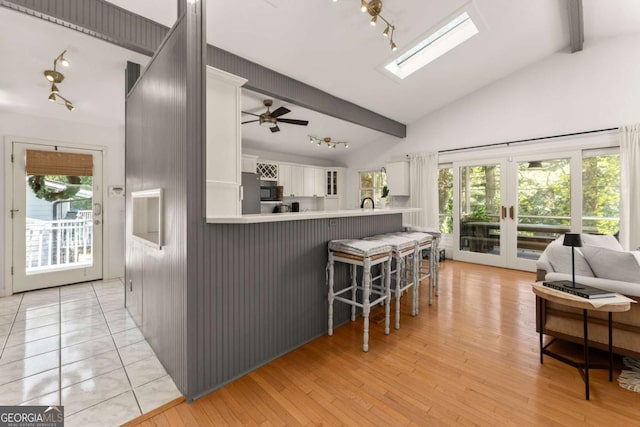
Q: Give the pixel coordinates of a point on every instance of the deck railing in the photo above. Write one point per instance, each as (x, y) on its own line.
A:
(58, 244)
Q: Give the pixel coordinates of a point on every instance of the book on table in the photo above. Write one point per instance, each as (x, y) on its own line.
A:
(580, 290)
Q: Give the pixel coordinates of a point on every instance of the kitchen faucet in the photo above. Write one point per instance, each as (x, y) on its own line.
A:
(373, 205)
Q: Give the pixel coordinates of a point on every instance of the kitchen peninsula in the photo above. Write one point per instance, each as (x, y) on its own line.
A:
(223, 293)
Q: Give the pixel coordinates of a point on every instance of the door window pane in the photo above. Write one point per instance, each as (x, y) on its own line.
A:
(480, 209)
(601, 194)
(59, 222)
(445, 196)
(544, 204)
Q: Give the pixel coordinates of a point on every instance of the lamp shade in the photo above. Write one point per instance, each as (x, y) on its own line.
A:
(572, 239)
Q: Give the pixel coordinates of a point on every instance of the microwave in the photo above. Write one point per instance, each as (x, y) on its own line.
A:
(269, 193)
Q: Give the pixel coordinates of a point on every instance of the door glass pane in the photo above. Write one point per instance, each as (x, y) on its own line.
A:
(480, 209)
(59, 225)
(544, 204)
(601, 194)
(445, 196)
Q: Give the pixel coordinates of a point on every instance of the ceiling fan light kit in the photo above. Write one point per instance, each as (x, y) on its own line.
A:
(328, 141)
(271, 119)
(374, 8)
(54, 76)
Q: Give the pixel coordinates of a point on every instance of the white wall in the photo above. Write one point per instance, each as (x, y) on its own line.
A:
(563, 93)
(66, 131)
(290, 158)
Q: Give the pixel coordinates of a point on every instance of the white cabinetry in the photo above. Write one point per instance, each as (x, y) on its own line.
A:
(249, 163)
(398, 178)
(268, 171)
(223, 174)
(309, 182)
(331, 182)
(334, 187)
(301, 181)
(319, 185)
(313, 182)
(284, 179)
(291, 177)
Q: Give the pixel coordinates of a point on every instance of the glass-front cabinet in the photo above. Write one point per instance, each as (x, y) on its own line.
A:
(332, 182)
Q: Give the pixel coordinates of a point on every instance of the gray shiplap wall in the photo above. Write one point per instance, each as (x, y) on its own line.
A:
(156, 157)
(264, 292)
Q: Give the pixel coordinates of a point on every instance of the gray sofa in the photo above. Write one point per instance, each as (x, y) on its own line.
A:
(602, 263)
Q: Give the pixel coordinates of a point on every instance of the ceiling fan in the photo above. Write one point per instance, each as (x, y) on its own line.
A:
(272, 119)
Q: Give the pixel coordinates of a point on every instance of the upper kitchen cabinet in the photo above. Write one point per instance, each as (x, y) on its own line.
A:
(224, 170)
(291, 177)
(313, 182)
(249, 163)
(398, 178)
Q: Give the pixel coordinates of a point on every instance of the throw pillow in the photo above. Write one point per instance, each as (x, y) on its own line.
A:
(612, 264)
(602, 241)
(560, 259)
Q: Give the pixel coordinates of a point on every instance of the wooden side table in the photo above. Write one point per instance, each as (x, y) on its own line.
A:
(618, 305)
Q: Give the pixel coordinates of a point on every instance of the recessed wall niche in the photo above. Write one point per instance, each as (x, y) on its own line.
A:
(147, 216)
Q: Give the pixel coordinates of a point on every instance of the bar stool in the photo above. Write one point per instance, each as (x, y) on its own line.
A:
(424, 243)
(403, 249)
(365, 254)
(434, 259)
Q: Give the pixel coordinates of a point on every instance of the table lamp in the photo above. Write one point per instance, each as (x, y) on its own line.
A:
(573, 240)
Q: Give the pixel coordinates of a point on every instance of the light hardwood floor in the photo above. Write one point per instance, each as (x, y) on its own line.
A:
(469, 359)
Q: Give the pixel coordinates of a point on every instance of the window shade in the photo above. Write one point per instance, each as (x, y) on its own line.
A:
(58, 163)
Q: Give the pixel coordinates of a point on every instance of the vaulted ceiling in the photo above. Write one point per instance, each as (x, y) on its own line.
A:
(326, 44)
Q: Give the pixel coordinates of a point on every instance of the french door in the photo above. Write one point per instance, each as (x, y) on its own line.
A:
(56, 216)
(508, 210)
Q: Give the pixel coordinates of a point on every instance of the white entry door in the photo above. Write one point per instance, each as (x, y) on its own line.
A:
(56, 215)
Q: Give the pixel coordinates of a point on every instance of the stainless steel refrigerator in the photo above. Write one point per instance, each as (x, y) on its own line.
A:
(250, 193)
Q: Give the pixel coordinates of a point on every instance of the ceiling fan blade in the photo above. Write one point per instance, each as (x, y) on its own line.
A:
(281, 111)
(275, 129)
(251, 121)
(246, 112)
(294, 122)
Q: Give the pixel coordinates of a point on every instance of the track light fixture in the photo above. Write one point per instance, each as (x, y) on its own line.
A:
(54, 76)
(374, 8)
(328, 141)
(67, 103)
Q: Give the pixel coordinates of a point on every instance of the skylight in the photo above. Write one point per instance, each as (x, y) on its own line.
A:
(452, 34)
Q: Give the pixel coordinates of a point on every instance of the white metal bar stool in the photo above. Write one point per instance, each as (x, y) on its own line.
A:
(365, 254)
(403, 250)
(424, 242)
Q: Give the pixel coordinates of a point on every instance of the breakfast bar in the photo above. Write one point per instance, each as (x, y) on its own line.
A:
(298, 216)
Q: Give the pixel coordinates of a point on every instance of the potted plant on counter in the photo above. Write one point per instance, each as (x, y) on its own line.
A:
(383, 199)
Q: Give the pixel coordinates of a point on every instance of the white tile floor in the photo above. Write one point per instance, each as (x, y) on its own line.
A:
(77, 346)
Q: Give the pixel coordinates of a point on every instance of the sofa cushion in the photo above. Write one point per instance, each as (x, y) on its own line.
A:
(612, 264)
(602, 241)
(560, 259)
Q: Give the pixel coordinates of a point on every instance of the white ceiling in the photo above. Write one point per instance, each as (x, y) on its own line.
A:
(327, 44)
(94, 81)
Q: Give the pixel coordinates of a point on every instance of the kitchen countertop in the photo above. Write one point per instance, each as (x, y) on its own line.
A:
(297, 216)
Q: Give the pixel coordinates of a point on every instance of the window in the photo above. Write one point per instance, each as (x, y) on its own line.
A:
(371, 184)
(433, 46)
(601, 192)
(445, 198)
